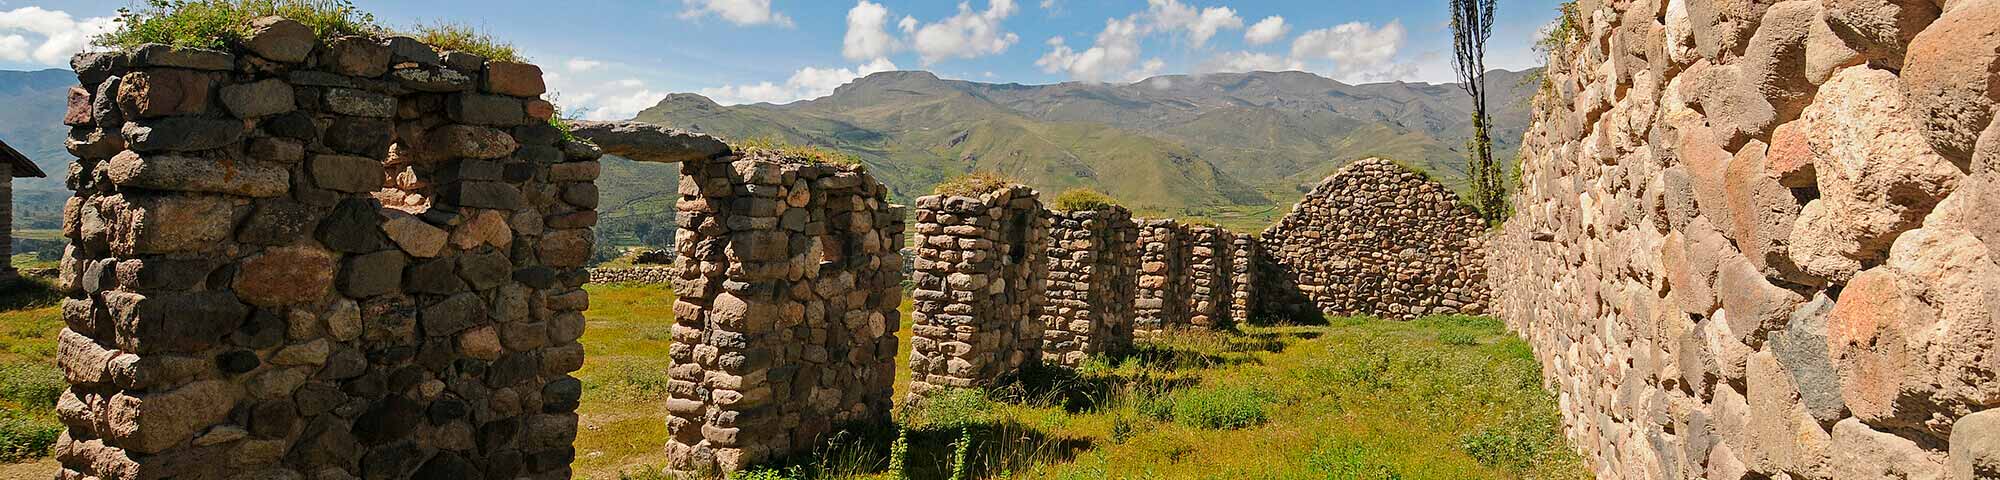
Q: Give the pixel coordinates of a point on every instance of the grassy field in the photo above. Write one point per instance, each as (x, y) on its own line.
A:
(1447, 398)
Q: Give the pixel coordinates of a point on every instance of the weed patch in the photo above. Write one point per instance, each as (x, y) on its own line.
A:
(974, 184)
(1083, 199)
(213, 24)
(453, 37)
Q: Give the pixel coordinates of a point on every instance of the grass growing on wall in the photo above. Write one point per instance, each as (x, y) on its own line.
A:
(809, 153)
(454, 37)
(1083, 199)
(974, 184)
(214, 24)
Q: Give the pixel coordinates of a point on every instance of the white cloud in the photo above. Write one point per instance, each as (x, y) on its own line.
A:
(970, 34)
(807, 83)
(1169, 15)
(1360, 52)
(740, 12)
(1111, 58)
(1238, 62)
(1266, 31)
(867, 34)
(582, 64)
(61, 35)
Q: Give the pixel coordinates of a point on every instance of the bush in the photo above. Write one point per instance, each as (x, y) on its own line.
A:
(25, 437)
(974, 184)
(31, 386)
(812, 154)
(214, 24)
(452, 37)
(1083, 199)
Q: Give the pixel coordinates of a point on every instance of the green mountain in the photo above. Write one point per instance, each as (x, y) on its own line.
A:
(1237, 148)
(1178, 145)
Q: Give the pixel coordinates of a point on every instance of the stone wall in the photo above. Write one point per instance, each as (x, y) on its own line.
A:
(1380, 239)
(299, 259)
(1161, 301)
(1755, 240)
(1093, 273)
(1243, 253)
(981, 274)
(785, 328)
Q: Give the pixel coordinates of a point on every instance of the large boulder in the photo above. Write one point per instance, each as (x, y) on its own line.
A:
(650, 143)
(1951, 77)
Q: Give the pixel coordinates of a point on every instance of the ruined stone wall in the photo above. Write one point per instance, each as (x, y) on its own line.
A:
(785, 328)
(1754, 239)
(981, 274)
(1161, 300)
(6, 222)
(1376, 238)
(1093, 275)
(300, 259)
(1243, 253)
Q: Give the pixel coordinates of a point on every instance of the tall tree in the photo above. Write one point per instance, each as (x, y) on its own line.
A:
(1471, 26)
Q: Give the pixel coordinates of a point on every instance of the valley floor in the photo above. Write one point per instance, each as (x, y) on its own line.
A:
(1447, 398)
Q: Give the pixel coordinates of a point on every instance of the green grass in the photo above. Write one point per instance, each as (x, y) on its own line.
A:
(1083, 199)
(813, 154)
(1344, 400)
(214, 24)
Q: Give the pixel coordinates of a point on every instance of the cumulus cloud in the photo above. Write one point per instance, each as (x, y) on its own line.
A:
(48, 37)
(969, 34)
(1201, 25)
(740, 12)
(1111, 58)
(582, 64)
(867, 32)
(1239, 62)
(806, 83)
(1266, 31)
(1360, 52)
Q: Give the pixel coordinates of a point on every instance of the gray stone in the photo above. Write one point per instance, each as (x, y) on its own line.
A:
(493, 195)
(476, 109)
(155, 55)
(650, 143)
(169, 172)
(1801, 348)
(278, 222)
(373, 274)
(280, 39)
(259, 99)
(453, 315)
(353, 227)
(484, 271)
(1975, 446)
(343, 173)
(181, 134)
(435, 277)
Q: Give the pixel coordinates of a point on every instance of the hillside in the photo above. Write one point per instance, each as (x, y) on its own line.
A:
(1183, 145)
(32, 123)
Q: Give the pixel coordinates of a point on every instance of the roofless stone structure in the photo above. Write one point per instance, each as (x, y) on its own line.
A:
(12, 165)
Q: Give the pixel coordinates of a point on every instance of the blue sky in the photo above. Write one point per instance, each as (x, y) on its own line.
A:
(608, 59)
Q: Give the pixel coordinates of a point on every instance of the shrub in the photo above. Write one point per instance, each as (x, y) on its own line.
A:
(1229, 407)
(452, 37)
(215, 23)
(974, 184)
(31, 386)
(1083, 199)
(24, 437)
(809, 153)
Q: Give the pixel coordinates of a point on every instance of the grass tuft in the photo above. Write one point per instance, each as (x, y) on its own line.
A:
(1083, 199)
(813, 154)
(454, 37)
(974, 184)
(214, 24)
(1220, 408)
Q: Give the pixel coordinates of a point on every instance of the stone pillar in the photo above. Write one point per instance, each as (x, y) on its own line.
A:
(1243, 255)
(6, 222)
(1093, 271)
(981, 272)
(1161, 300)
(1210, 270)
(354, 258)
(789, 283)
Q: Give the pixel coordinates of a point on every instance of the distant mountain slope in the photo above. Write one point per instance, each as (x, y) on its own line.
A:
(31, 111)
(1172, 144)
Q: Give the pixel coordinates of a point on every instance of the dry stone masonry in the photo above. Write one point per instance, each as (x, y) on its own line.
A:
(1093, 272)
(1211, 271)
(1376, 238)
(785, 328)
(1756, 239)
(1160, 303)
(356, 258)
(981, 274)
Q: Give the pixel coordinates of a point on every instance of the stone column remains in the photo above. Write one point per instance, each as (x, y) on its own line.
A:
(338, 259)
(1093, 274)
(785, 329)
(1161, 299)
(981, 273)
(1210, 271)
